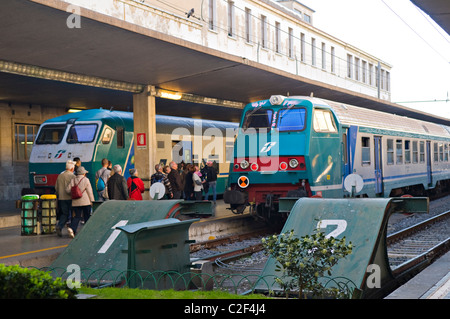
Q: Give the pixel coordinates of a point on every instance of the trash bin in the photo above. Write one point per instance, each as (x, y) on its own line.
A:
(29, 216)
(48, 207)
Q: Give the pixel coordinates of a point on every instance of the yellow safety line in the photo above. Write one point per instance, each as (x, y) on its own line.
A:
(34, 251)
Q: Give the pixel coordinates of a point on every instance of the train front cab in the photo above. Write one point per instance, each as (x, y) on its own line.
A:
(286, 147)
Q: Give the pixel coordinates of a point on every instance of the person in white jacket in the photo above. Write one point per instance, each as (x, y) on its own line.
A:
(83, 205)
(198, 183)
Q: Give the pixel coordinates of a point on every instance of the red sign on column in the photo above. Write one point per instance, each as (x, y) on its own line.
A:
(141, 140)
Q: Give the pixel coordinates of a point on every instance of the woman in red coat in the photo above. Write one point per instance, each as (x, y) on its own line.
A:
(135, 185)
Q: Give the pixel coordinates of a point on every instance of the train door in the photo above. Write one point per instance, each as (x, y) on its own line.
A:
(345, 152)
(378, 165)
(429, 178)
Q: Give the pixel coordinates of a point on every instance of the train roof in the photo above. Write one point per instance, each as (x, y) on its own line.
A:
(166, 124)
(354, 115)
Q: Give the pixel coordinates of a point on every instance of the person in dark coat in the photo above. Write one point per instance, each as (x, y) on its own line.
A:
(175, 181)
(188, 184)
(117, 185)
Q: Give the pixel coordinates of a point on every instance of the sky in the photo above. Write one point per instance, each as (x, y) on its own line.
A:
(399, 33)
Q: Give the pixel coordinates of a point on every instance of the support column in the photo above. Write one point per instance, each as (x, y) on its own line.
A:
(144, 113)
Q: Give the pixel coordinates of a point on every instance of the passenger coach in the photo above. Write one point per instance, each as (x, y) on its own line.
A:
(302, 146)
(95, 134)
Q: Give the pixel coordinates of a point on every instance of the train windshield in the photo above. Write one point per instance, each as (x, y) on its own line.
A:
(291, 119)
(51, 134)
(258, 118)
(82, 133)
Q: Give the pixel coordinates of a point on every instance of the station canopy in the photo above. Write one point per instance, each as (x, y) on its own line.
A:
(107, 60)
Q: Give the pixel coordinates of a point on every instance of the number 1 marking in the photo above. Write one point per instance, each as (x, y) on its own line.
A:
(113, 237)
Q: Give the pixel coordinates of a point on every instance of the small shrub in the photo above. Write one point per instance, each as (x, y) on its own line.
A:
(303, 261)
(23, 283)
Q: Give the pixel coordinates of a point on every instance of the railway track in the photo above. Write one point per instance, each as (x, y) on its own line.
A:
(420, 244)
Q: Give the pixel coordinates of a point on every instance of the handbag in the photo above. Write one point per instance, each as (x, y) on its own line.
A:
(76, 192)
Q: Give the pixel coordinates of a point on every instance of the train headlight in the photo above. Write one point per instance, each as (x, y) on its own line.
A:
(254, 167)
(276, 99)
(244, 164)
(293, 163)
(283, 166)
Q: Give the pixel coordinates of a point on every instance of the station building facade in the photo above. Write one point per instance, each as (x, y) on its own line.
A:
(279, 34)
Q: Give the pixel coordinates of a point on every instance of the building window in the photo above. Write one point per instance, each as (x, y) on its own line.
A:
(248, 25)
(364, 71)
(231, 18)
(333, 60)
(388, 81)
(277, 37)
(370, 74)
(349, 66)
(307, 18)
(212, 15)
(357, 67)
(291, 43)
(302, 47)
(24, 136)
(263, 31)
(324, 58)
(313, 51)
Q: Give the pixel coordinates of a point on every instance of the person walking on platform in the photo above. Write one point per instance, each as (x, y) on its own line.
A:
(101, 180)
(135, 185)
(117, 185)
(80, 206)
(211, 179)
(175, 180)
(189, 183)
(64, 198)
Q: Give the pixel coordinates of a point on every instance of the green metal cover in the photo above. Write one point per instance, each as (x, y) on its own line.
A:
(362, 221)
(158, 246)
(100, 245)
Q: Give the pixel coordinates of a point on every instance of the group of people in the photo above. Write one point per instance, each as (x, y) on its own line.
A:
(109, 184)
(186, 181)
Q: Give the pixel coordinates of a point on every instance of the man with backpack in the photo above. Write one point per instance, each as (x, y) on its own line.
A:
(101, 180)
(160, 177)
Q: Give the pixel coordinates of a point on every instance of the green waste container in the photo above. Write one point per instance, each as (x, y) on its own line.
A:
(48, 207)
(29, 216)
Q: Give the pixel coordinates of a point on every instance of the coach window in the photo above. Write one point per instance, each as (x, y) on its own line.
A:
(390, 151)
(422, 152)
(435, 152)
(291, 119)
(398, 152)
(323, 121)
(415, 150)
(82, 133)
(446, 152)
(365, 151)
(441, 152)
(407, 151)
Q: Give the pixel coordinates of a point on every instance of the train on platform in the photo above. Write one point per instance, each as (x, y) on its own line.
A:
(304, 146)
(94, 134)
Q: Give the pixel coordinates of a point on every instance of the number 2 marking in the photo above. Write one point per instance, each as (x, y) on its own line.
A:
(113, 237)
(340, 223)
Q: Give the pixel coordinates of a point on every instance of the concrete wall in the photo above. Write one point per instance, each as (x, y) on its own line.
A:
(171, 18)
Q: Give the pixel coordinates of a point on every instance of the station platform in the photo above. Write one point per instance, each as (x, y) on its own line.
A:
(431, 283)
(41, 250)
